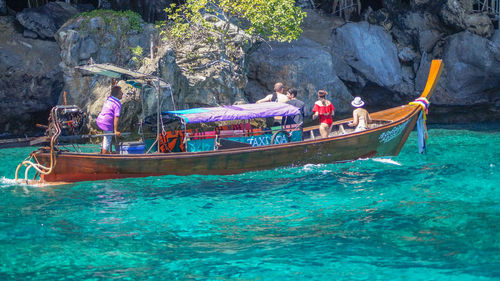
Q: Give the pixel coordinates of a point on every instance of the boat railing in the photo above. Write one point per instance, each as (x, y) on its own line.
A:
(340, 128)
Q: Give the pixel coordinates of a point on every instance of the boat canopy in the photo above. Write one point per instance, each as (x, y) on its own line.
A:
(133, 77)
(234, 112)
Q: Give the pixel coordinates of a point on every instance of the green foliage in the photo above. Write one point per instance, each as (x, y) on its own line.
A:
(137, 54)
(264, 19)
(111, 18)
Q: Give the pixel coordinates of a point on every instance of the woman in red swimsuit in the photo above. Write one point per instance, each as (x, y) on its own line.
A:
(324, 110)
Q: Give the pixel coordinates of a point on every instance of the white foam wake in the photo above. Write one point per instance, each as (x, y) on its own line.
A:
(386, 161)
(315, 167)
(6, 181)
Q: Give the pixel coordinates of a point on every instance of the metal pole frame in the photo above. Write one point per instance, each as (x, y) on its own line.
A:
(157, 88)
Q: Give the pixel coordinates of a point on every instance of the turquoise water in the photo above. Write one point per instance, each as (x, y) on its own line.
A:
(411, 217)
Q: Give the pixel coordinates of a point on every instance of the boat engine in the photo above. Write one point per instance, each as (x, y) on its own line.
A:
(69, 120)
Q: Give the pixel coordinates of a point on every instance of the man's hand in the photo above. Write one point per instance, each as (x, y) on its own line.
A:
(118, 134)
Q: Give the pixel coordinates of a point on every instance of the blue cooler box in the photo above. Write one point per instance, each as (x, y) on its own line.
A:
(131, 148)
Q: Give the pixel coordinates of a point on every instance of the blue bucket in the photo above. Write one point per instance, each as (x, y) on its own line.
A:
(132, 148)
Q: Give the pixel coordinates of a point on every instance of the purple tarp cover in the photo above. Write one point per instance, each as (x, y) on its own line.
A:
(236, 112)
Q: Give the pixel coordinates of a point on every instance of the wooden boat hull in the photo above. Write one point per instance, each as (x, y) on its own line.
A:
(386, 140)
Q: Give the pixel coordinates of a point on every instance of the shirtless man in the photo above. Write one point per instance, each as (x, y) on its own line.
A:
(361, 117)
(277, 96)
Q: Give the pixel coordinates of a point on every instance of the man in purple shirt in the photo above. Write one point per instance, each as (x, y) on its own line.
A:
(108, 118)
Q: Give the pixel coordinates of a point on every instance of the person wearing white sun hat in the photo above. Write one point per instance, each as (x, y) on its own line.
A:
(361, 117)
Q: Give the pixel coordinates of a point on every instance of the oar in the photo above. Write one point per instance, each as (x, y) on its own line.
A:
(99, 135)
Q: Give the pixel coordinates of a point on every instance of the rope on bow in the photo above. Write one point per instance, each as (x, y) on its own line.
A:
(424, 103)
(421, 123)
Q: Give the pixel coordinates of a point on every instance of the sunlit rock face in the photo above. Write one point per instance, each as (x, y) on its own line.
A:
(102, 40)
(194, 83)
(211, 79)
(30, 79)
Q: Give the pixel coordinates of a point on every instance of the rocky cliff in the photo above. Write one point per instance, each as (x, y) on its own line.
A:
(379, 52)
(30, 79)
(385, 60)
(103, 36)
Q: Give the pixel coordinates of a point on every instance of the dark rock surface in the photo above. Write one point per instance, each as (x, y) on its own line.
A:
(370, 52)
(421, 30)
(304, 65)
(473, 70)
(46, 20)
(469, 88)
(3, 8)
(30, 79)
(388, 65)
(150, 10)
(457, 15)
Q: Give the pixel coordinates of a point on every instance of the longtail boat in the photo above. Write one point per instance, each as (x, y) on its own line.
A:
(227, 150)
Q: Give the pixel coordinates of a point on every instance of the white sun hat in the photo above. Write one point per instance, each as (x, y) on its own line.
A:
(357, 102)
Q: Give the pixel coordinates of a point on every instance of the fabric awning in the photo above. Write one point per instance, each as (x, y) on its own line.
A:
(235, 112)
(114, 71)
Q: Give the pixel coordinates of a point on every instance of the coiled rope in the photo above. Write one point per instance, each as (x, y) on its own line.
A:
(41, 169)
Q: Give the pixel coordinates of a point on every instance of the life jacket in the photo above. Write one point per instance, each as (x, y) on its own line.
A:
(172, 141)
